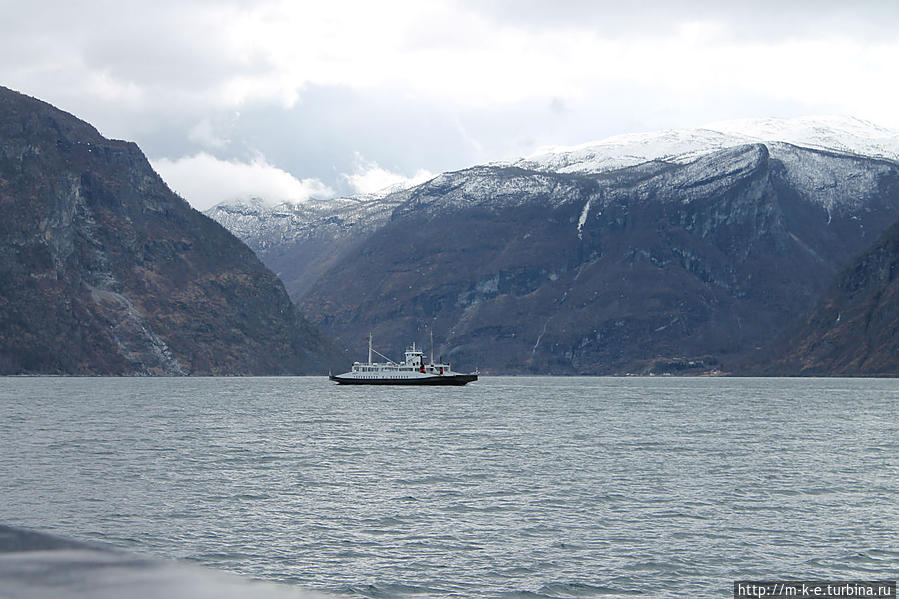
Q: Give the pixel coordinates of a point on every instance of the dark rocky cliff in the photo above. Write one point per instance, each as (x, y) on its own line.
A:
(103, 270)
(854, 330)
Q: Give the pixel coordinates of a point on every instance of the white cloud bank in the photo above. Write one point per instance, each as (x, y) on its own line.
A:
(204, 181)
(369, 177)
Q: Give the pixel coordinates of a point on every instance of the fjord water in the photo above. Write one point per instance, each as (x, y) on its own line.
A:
(508, 487)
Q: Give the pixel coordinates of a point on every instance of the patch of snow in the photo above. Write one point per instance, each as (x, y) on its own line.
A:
(583, 219)
(540, 336)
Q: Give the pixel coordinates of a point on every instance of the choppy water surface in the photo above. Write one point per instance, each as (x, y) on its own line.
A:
(509, 487)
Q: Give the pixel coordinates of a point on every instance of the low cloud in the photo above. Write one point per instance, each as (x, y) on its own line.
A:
(204, 181)
(369, 177)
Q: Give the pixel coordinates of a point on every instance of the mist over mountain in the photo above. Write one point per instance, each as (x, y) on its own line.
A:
(103, 270)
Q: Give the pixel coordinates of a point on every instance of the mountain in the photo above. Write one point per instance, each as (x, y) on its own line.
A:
(301, 242)
(103, 270)
(830, 133)
(694, 254)
(854, 330)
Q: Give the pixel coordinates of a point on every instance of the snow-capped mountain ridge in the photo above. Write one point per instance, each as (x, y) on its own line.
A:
(831, 179)
(841, 134)
(846, 135)
(262, 226)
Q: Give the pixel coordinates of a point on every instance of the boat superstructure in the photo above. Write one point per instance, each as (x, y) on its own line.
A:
(413, 370)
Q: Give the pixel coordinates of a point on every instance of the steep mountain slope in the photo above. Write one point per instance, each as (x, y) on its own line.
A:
(659, 267)
(854, 330)
(680, 251)
(103, 270)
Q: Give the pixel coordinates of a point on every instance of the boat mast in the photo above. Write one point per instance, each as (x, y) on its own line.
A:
(369, 348)
(432, 345)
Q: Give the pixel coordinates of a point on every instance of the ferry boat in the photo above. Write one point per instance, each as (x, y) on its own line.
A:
(413, 370)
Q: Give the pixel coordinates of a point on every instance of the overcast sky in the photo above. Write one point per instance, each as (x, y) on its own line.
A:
(291, 99)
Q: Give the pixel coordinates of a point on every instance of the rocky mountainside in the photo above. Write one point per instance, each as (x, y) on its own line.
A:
(300, 242)
(854, 330)
(103, 270)
(690, 259)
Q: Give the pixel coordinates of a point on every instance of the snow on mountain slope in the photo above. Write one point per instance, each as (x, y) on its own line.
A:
(620, 151)
(840, 183)
(489, 187)
(842, 134)
(262, 226)
(834, 179)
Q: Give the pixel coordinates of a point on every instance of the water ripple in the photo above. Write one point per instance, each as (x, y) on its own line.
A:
(510, 487)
